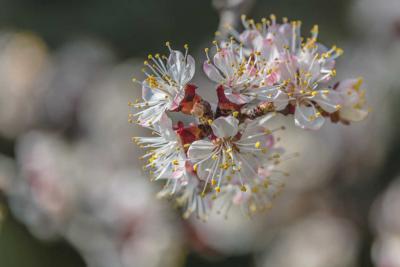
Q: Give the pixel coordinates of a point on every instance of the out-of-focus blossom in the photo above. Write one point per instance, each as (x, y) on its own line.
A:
(111, 217)
(23, 60)
(102, 116)
(43, 193)
(75, 68)
(320, 240)
(121, 224)
(386, 222)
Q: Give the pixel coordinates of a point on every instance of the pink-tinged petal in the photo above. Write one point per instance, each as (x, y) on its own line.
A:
(212, 73)
(178, 173)
(353, 114)
(273, 78)
(199, 150)
(249, 37)
(306, 117)
(236, 98)
(239, 198)
(223, 60)
(263, 173)
(225, 127)
(224, 103)
(177, 100)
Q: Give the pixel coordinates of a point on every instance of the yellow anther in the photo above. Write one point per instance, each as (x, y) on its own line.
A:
(266, 183)
(175, 162)
(314, 29)
(243, 188)
(213, 182)
(195, 166)
(214, 157)
(338, 107)
(358, 84)
(257, 144)
(186, 46)
(235, 114)
(210, 121)
(339, 51)
(255, 189)
(217, 189)
(149, 56)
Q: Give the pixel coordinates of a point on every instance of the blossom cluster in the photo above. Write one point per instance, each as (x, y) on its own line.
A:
(228, 153)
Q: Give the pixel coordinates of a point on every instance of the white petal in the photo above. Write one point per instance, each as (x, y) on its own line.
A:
(280, 100)
(225, 126)
(151, 94)
(352, 114)
(212, 73)
(189, 70)
(306, 117)
(164, 126)
(181, 70)
(328, 101)
(199, 150)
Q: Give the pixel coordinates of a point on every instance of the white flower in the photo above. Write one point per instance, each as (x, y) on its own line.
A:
(167, 161)
(301, 68)
(305, 70)
(187, 194)
(244, 78)
(353, 100)
(260, 197)
(166, 157)
(234, 155)
(164, 87)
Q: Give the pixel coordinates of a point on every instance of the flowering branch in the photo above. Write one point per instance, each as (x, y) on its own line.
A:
(228, 155)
